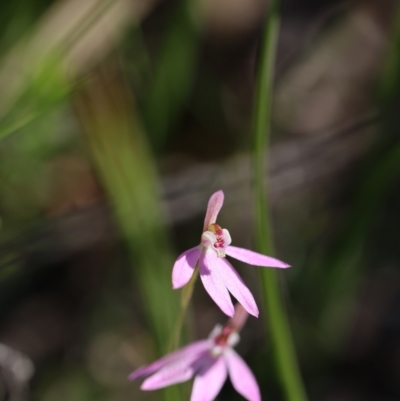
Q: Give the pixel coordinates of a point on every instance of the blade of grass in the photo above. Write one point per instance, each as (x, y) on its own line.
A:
(41, 55)
(278, 323)
(126, 167)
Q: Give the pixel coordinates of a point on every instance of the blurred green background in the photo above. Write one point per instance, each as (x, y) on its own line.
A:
(118, 120)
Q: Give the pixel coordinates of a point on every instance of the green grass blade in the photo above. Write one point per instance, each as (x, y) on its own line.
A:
(126, 168)
(278, 323)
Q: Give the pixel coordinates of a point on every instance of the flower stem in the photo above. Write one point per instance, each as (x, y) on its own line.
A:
(281, 338)
(186, 296)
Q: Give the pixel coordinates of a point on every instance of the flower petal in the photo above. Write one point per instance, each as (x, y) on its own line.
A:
(209, 381)
(210, 265)
(227, 237)
(172, 373)
(180, 369)
(254, 258)
(189, 352)
(214, 206)
(184, 267)
(241, 376)
(208, 239)
(237, 288)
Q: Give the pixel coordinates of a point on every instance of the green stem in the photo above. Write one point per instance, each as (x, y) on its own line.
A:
(281, 338)
(186, 296)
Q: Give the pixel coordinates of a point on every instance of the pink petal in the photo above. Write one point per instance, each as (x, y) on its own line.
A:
(184, 267)
(188, 352)
(180, 369)
(172, 373)
(237, 288)
(241, 376)
(210, 266)
(214, 206)
(254, 258)
(208, 383)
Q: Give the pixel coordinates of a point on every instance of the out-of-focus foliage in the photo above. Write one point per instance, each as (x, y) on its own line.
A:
(118, 118)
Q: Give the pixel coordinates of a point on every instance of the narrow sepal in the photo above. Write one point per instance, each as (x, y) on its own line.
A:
(190, 350)
(237, 288)
(214, 206)
(254, 258)
(210, 266)
(209, 381)
(241, 376)
(184, 267)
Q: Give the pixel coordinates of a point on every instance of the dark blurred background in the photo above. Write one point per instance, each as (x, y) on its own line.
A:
(119, 118)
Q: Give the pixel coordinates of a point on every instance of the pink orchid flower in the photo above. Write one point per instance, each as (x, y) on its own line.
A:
(217, 274)
(209, 361)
